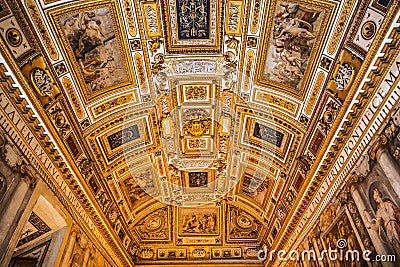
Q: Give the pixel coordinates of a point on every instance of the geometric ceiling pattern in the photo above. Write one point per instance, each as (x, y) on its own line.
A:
(191, 128)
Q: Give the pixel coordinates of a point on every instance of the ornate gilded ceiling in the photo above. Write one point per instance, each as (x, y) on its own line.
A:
(190, 127)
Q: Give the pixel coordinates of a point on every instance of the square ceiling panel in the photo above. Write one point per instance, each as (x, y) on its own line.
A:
(292, 41)
(192, 26)
(94, 45)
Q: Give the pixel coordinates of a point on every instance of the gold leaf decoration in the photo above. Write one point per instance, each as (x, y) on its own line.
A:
(69, 88)
(37, 19)
(340, 26)
(314, 94)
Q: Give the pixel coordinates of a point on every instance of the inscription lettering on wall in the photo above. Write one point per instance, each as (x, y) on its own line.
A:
(14, 125)
(358, 139)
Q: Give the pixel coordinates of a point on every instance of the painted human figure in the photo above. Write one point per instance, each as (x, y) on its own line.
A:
(388, 218)
(211, 223)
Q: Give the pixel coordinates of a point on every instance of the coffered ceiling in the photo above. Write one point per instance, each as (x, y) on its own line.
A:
(191, 126)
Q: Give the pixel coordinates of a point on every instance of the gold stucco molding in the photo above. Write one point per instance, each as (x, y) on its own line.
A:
(377, 147)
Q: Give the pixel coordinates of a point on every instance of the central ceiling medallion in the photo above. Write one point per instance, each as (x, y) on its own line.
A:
(198, 127)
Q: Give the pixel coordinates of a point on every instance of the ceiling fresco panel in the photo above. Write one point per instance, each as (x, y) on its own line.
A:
(137, 186)
(199, 225)
(109, 143)
(256, 186)
(269, 138)
(193, 19)
(199, 222)
(292, 40)
(118, 141)
(94, 45)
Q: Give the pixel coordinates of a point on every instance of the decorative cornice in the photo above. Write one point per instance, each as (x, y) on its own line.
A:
(377, 147)
(351, 184)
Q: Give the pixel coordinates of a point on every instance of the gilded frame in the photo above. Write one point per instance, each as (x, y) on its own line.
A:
(115, 14)
(111, 154)
(262, 203)
(198, 211)
(327, 11)
(249, 139)
(192, 46)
